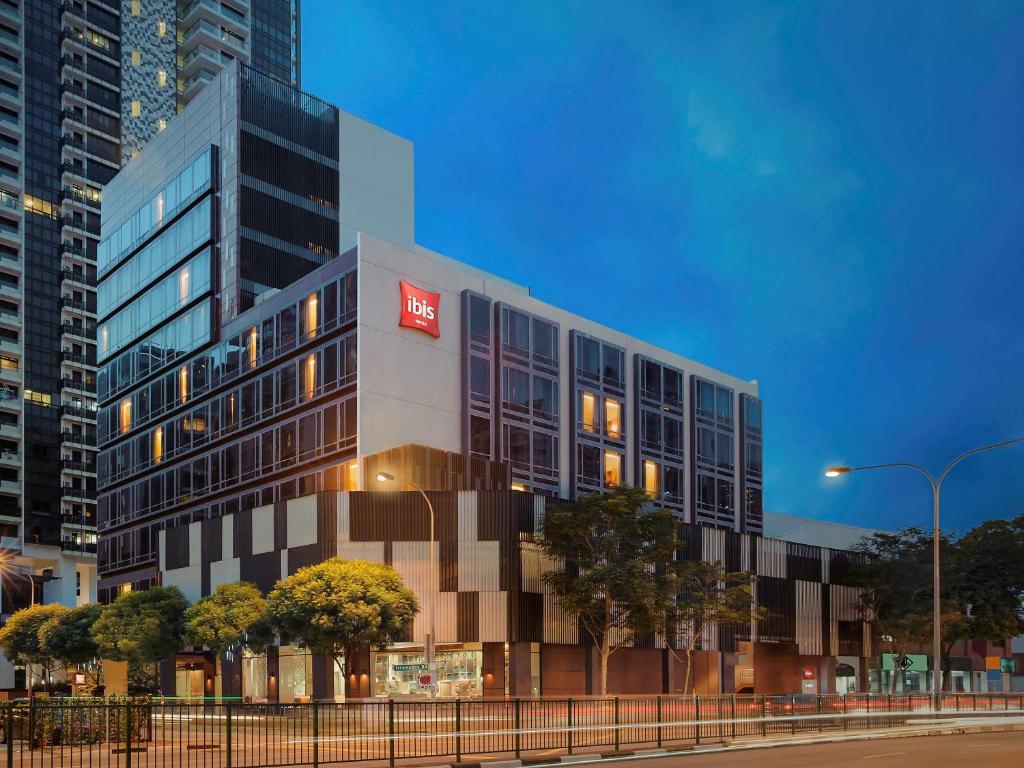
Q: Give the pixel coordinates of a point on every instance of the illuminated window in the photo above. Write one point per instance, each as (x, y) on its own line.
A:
(104, 338)
(98, 40)
(518, 487)
(125, 414)
(587, 411)
(309, 377)
(8, 363)
(158, 445)
(161, 123)
(311, 315)
(93, 194)
(612, 417)
(612, 468)
(252, 347)
(39, 206)
(183, 384)
(136, 57)
(136, 108)
(161, 28)
(136, 7)
(124, 589)
(39, 398)
(651, 477)
(183, 285)
(352, 476)
(161, 77)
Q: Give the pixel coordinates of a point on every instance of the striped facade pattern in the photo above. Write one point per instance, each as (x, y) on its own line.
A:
(491, 569)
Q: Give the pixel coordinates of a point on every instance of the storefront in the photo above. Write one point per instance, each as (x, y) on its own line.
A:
(847, 675)
(910, 670)
(397, 671)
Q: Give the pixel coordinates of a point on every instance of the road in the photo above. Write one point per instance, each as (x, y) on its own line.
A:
(991, 750)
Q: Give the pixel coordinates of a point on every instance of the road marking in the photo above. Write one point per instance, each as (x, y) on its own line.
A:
(886, 754)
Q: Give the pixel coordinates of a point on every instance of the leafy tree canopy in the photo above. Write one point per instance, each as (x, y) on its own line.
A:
(19, 637)
(141, 627)
(68, 637)
(338, 606)
(233, 617)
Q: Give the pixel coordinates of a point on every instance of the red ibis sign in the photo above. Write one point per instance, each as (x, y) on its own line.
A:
(420, 309)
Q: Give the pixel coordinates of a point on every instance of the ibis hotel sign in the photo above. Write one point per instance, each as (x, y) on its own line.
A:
(420, 309)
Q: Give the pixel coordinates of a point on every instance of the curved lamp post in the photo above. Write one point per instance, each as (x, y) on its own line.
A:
(435, 576)
(936, 484)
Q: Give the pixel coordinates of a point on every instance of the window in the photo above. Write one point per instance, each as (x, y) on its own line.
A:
(39, 398)
(479, 319)
(612, 468)
(651, 477)
(161, 123)
(705, 445)
(125, 414)
(161, 78)
(136, 61)
(517, 330)
(590, 463)
(673, 388)
(705, 398)
(725, 497)
(161, 28)
(651, 425)
(724, 404)
(309, 377)
(612, 418)
(545, 397)
(705, 492)
(517, 447)
(517, 388)
(479, 377)
(614, 365)
(480, 435)
(588, 354)
(587, 409)
(545, 341)
(251, 345)
(650, 379)
(725, 456)
(158, 445)
(310, 319)
(673, 484)
(40, 206)
(136, 108)
(545, 447)
(673, 436)
(183, 384)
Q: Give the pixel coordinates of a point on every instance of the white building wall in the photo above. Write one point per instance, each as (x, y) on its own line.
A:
(409, 386)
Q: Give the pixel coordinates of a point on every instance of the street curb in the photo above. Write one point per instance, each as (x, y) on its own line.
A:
(635, 754)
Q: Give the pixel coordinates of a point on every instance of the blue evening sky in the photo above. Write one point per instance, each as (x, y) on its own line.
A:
(824, 196)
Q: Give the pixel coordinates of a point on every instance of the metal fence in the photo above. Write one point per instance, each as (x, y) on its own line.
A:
(144, 734)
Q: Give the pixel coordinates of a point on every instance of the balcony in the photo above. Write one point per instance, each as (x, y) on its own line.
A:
(78, 384)
(78, 547)
(78, 358)
(76, 465)
(10, 459)
(78, 412)
(10, 41)
(75, 276)
(10, 486)
(73, 303)
(71, 492)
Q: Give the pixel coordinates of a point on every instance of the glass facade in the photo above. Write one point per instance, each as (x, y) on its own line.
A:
(599, 401)
(714, 466)
(660, 432)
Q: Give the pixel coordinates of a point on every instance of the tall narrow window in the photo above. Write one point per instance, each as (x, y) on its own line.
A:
(252, 347)
(309, 377)
(183, 384)
(612, 417)
(161, 78)
(161, 123)
(136, 7)
(612, 468)
(183, 278)
(136, 108)
(126, 414)
(311, 315)
(161, 28)
(136, 59)
(352, 476)
(158, 445)
(587, 421)
(651, 477)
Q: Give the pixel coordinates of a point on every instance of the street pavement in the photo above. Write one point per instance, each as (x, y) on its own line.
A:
(988, 750)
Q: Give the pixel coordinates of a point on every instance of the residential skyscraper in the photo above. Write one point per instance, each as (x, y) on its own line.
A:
(84, 84)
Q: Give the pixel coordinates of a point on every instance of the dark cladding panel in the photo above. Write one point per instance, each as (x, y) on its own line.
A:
(468, 608)
(262, 570)
(176, 548)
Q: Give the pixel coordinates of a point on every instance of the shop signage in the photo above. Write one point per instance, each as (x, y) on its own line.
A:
(420, 309)
(409, 667)
(906, 662)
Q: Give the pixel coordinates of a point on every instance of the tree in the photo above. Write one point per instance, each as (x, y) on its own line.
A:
(699, 596)
(141, 627)
(983, 584)
(19, 639)
(896, 579)
(232, 618)
(338, 607)
(68, 639)
(610, 550)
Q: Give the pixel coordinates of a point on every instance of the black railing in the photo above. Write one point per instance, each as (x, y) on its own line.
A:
(223, 734)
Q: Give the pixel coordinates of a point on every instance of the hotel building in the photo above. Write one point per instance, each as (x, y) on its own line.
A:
(268, 328)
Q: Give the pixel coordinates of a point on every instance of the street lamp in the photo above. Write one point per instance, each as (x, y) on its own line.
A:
(936, 484)
(435, 577)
